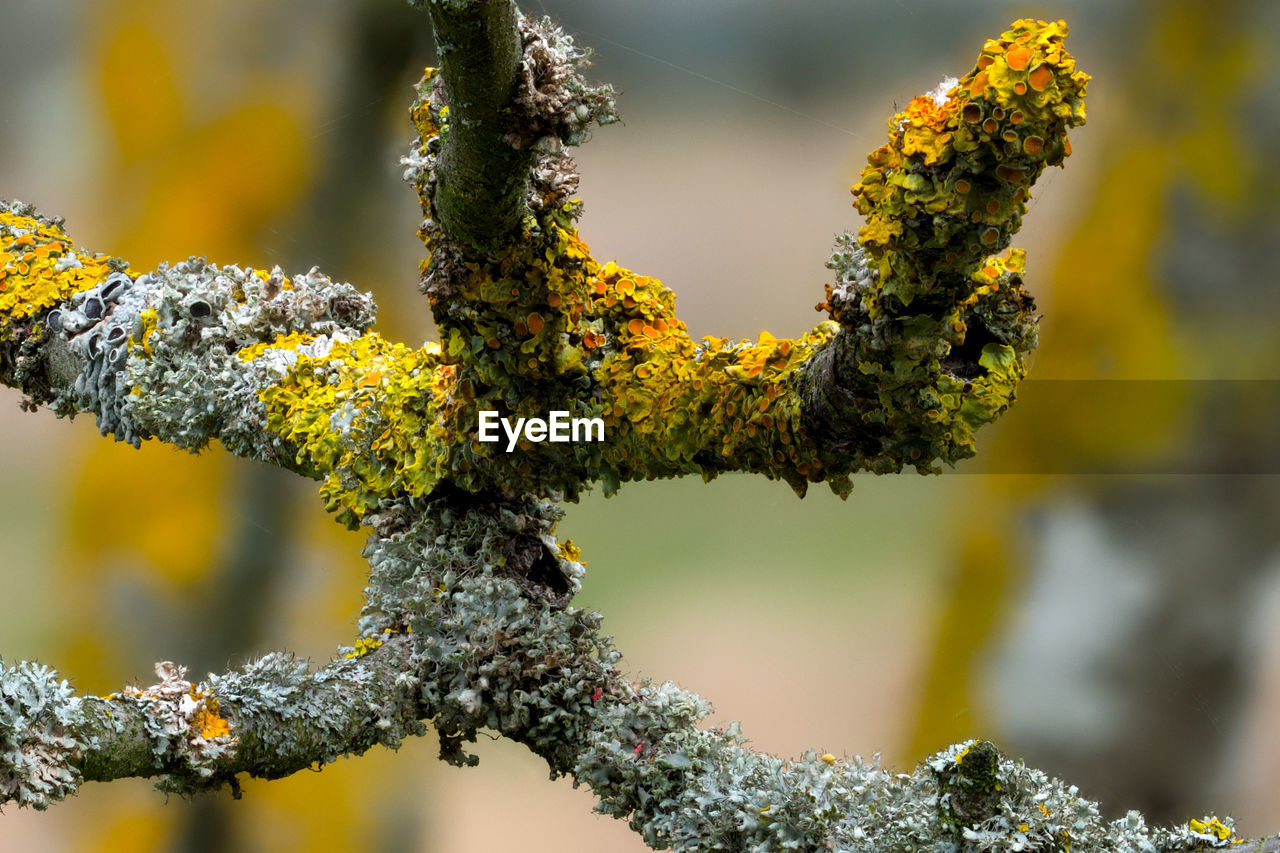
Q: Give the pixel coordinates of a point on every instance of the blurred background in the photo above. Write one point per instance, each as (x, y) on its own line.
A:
(1094, 592)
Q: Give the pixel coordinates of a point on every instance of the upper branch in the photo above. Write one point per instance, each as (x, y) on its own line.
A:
(481, 193)
(928, 338)
(930, 330)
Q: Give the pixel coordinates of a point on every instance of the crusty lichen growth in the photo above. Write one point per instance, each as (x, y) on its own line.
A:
(466, 625)
(934, 349)
(952, 184)
(155, 354)
(938, 328)
(363, 414)
(51, 741)
(532, 670)
(38, 713)
(184, 725)
(39, 266)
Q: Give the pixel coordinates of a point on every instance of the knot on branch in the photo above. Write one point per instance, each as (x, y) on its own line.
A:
(971, 784)
(38, 715)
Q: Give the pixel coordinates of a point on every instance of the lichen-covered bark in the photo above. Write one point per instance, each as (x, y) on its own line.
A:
(466, 625)
(467, 622)
(156, 354)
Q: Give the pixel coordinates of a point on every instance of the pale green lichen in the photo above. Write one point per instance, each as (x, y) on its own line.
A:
(183, 380)
(38, 720)
(457, 588)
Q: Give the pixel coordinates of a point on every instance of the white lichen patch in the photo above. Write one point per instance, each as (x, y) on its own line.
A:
(183, 721)
(939, 94)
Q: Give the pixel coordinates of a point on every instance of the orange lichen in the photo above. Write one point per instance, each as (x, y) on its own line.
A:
(1040, 77)
(924, 127)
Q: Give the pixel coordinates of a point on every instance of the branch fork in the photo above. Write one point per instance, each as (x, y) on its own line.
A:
(468, 620)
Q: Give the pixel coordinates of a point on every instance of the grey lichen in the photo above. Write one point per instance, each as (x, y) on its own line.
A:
(480, 588)
(38, 715)
(855, 275)
(456, 632)
(468, 622)
(488, 655)
(49, 736)
(157, 354)
(289, 717)
(555, 100)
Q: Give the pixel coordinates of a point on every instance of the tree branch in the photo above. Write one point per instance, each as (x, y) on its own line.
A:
(480, 197)
(929, 341)
(156, 354)
(466, 621)
(465, 625)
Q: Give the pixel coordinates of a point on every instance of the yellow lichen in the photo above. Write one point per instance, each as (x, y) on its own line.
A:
(150, 323)
(363, 646)
(543, 326)
(39, 267)
(362, 415)
(1210, 826)
(924, 127)
(570, 551)
(931, 189)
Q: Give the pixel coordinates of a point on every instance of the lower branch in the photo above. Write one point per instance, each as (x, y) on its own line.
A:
(467, 626)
